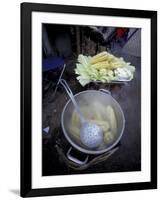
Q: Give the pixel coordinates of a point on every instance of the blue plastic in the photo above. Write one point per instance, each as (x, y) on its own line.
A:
(52, 63)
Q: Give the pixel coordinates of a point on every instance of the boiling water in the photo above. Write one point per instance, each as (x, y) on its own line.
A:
(95, 112)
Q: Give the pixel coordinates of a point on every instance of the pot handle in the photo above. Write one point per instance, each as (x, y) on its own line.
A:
(105, 91)
(76, 160)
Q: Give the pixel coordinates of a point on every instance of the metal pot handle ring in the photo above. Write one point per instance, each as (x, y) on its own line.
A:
(76, 160)
(105, 91)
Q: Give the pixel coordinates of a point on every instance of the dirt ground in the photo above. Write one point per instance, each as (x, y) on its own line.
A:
(55, 146)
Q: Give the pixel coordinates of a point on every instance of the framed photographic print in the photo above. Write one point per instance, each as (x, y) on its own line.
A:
(88, 99)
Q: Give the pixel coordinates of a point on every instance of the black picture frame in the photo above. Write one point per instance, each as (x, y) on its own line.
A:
(26, 104)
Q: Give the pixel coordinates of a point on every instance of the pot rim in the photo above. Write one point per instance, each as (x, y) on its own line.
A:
(79, 148)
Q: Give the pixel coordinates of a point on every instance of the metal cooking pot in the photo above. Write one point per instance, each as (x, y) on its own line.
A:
(84, 98)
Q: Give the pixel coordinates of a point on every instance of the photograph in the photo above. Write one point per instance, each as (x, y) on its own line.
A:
(88, 99)
(91, 99)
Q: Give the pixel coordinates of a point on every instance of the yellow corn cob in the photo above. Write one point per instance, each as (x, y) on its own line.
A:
(99, 57)
(101, 65)
(100, 54)
(115, 65)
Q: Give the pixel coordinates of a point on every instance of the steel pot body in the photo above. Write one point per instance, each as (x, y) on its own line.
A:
(84, 98)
